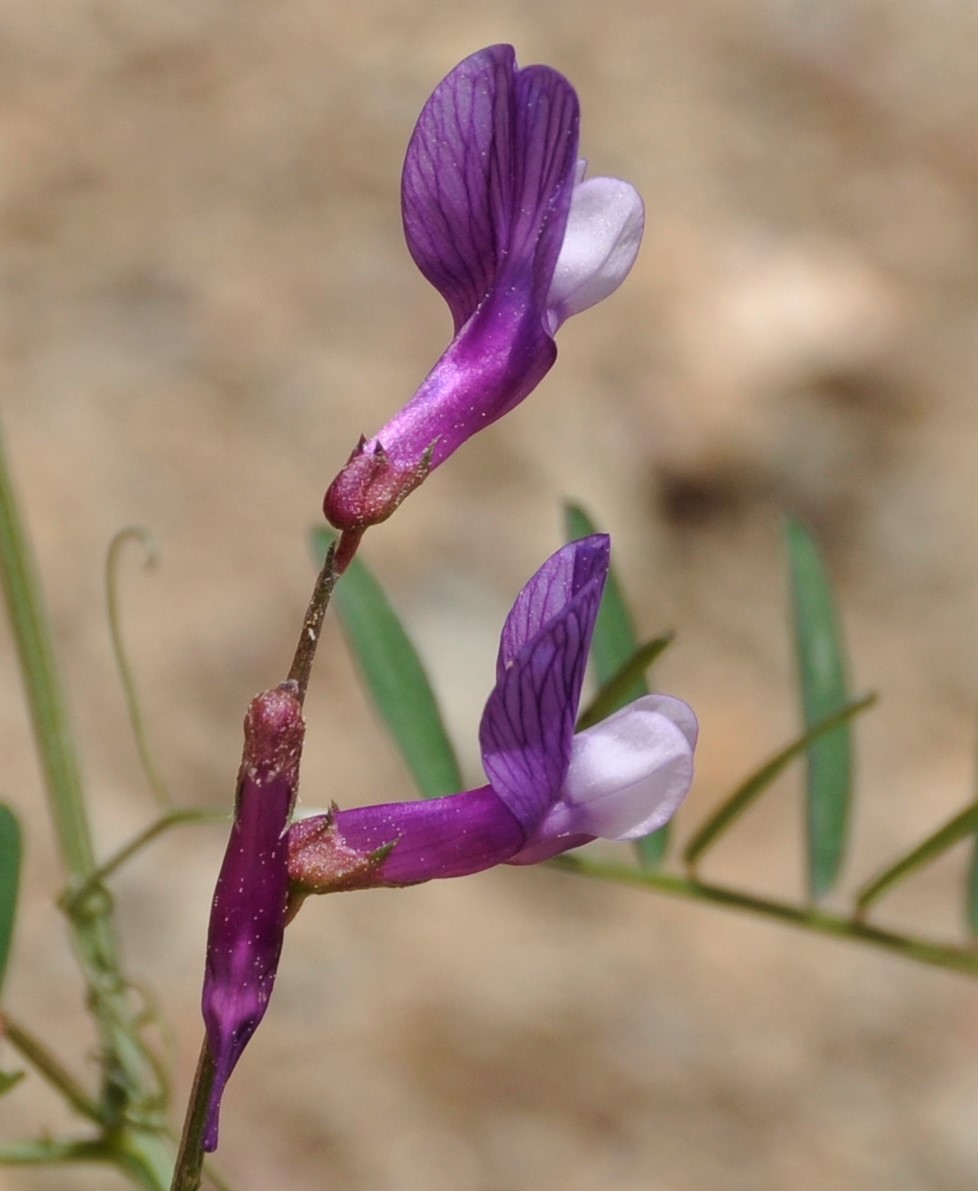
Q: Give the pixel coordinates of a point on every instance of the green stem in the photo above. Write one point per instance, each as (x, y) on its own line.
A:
(41, 1059)
(939, 955)
(132, 533)
(47, 709)
(74, 896)
(52, 1152)
(190, 1156)
(128, 1083)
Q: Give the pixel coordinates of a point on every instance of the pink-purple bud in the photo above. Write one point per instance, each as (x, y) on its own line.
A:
(247, 923)
(370, 487)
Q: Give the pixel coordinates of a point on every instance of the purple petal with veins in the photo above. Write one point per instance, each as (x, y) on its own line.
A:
(498, 218)
(549, 789)
(528, 723)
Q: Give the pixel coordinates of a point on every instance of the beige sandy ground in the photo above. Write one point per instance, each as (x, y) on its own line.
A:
(206, 298)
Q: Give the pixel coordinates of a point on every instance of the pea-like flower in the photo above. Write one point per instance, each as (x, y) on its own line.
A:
(549, 789)
(499, 218)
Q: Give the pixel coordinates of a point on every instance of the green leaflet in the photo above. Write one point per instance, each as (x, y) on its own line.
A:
(822, 682)
(610, 697)
(10, 847)
(614, 649)
(749, 790)
(395, 678)
(963, 825)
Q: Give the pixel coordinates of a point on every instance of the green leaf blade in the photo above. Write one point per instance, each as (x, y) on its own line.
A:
(10, 852)
(961, 826)
(752, 787)
(396, 680)
(824, 691)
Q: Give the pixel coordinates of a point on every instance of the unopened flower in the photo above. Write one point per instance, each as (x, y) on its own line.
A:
(549, 789)
(247, 922)
(499, 218)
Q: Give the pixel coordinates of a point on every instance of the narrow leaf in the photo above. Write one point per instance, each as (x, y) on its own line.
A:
(613, 648)
(395, 678)
(9, 877)
(971, 890)
(750, 789)
(822, 680)
(971, 893)
(964, 824)
(609, 698)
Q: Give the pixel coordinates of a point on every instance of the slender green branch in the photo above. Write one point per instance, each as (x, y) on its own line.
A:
(132, 533)
(40, 1058)
(32, 638)
(755, 785)
(960, 827)
(128, 1081)
(74, 897)
(53, 1152)
(925, 951)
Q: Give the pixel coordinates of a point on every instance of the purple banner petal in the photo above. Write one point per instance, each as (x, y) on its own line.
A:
(548, 593)
(544, 163)
(528, 724)
(487, 180)
(454, 184)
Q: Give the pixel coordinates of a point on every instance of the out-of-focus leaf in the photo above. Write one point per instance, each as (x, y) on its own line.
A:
(613, 647)
(822, 680)
(750, 789)
(9, 879)
(8, 1080)
(964, 824)
(395, 678)
(608, 699)
(971, 890)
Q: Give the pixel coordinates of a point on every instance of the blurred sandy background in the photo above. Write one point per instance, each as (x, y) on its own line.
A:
(206, 298)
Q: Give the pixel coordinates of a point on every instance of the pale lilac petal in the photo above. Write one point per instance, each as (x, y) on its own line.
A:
(628, 774)
(551, 589)
(601, 242)
(528, 723)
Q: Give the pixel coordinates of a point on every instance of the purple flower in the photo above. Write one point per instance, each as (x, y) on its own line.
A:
(498, 217)
(247, 924)
(549, 789)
